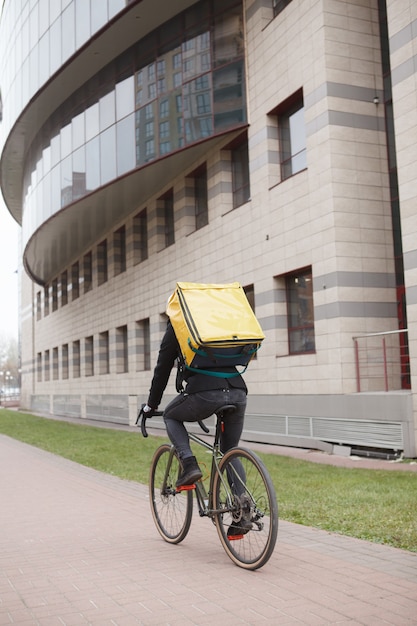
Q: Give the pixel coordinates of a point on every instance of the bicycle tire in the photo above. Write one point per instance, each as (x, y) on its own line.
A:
(171, 510)
(254, 507)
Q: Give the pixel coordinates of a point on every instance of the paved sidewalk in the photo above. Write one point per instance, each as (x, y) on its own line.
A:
(79, 547)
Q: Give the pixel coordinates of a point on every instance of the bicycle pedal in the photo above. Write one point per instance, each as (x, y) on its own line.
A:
(185, 488)
(234, 537)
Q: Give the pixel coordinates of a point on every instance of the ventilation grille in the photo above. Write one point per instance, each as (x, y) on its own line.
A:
(342, 431)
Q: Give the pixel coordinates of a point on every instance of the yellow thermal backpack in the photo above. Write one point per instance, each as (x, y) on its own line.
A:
(215, 326)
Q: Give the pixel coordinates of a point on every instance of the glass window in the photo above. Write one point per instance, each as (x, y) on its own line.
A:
(279, 5)
(164, 108)
(149, 129)
(55, 9)
(203, 103)
(39, 305)
(76, 359)
(107, 109)
(300, 311)
(122, 361)
(160, 67)
(228, 36)
(78, 174)
(66, 181)
(99, 15)
(89, 356)
(102, 262)
(292, 136)
(93, 164)
(92, 117)
(68, 32)
(55, 364)
(119, 250)
(88, 271)
(229, 96)
(55, 150)
(108, 155)
(64, 361)
(164, 147)
(151, 71)
(164, 130)
(66, 141)
(199, 177)
(176, 61)
(47, 366)
(55, 294)
(44, 58)
(168, 215)
(55, 55)
(75, 281)
(115, 6)
(149, 149)
(82, 22)
(152, 91)
(78, 131)
(64, 288)
(39, 367)
(240, 172)
(143, 345)
(125, 98)
(104, 353)
(140, 237)
(125, 137)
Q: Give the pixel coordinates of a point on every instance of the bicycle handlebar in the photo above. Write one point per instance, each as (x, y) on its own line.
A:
(142, 417)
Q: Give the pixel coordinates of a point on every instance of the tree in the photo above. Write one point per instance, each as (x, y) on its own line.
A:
(9, 362)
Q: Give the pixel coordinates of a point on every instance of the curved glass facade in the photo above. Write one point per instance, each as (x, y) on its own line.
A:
(181, 84)
(37, 37)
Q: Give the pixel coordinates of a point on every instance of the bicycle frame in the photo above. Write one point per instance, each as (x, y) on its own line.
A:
(204, 499)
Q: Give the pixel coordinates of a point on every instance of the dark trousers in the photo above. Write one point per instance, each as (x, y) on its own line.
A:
(199, 406)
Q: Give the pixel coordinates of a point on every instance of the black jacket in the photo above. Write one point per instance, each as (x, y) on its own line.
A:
(168, 354)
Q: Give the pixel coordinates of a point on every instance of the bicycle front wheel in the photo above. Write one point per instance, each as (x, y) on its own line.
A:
(171, 510)
(244, 494)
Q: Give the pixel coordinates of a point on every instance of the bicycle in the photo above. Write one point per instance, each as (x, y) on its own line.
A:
(240, 499)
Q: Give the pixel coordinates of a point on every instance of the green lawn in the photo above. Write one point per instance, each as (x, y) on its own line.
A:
(376, 505)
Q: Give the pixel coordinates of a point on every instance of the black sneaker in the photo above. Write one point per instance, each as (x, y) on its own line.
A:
(190, 472)
(238, 529)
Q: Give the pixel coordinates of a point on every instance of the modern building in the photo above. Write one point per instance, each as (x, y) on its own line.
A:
(270, 142)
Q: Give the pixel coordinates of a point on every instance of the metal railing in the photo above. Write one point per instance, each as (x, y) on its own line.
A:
(382, 361)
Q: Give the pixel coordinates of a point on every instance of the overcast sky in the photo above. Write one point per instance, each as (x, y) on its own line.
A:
(9, 237)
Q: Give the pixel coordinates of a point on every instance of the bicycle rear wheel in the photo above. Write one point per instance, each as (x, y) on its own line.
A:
(171, 510)
(248, 525)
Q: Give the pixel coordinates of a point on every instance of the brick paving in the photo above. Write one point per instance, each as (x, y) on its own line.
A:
(78, 547)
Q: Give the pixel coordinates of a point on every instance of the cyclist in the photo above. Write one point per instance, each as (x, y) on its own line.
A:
(201, 397)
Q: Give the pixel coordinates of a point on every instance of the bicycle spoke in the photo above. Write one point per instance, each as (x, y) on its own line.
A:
(248, 532)
(171, 510)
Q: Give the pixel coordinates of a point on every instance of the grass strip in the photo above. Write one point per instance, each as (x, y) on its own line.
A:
(376, 505)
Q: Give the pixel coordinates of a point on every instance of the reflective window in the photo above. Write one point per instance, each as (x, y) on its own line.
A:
(300, 306)
(110, 137)
(126, 145)
(78, 131)
(92, 117)
(99, 14)
(240, 172)
(93, 164)
(108, 148)
(107, 110)
(82, 22)
(66, 141)
(68, 32)
(55, 56)
(125, 101)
